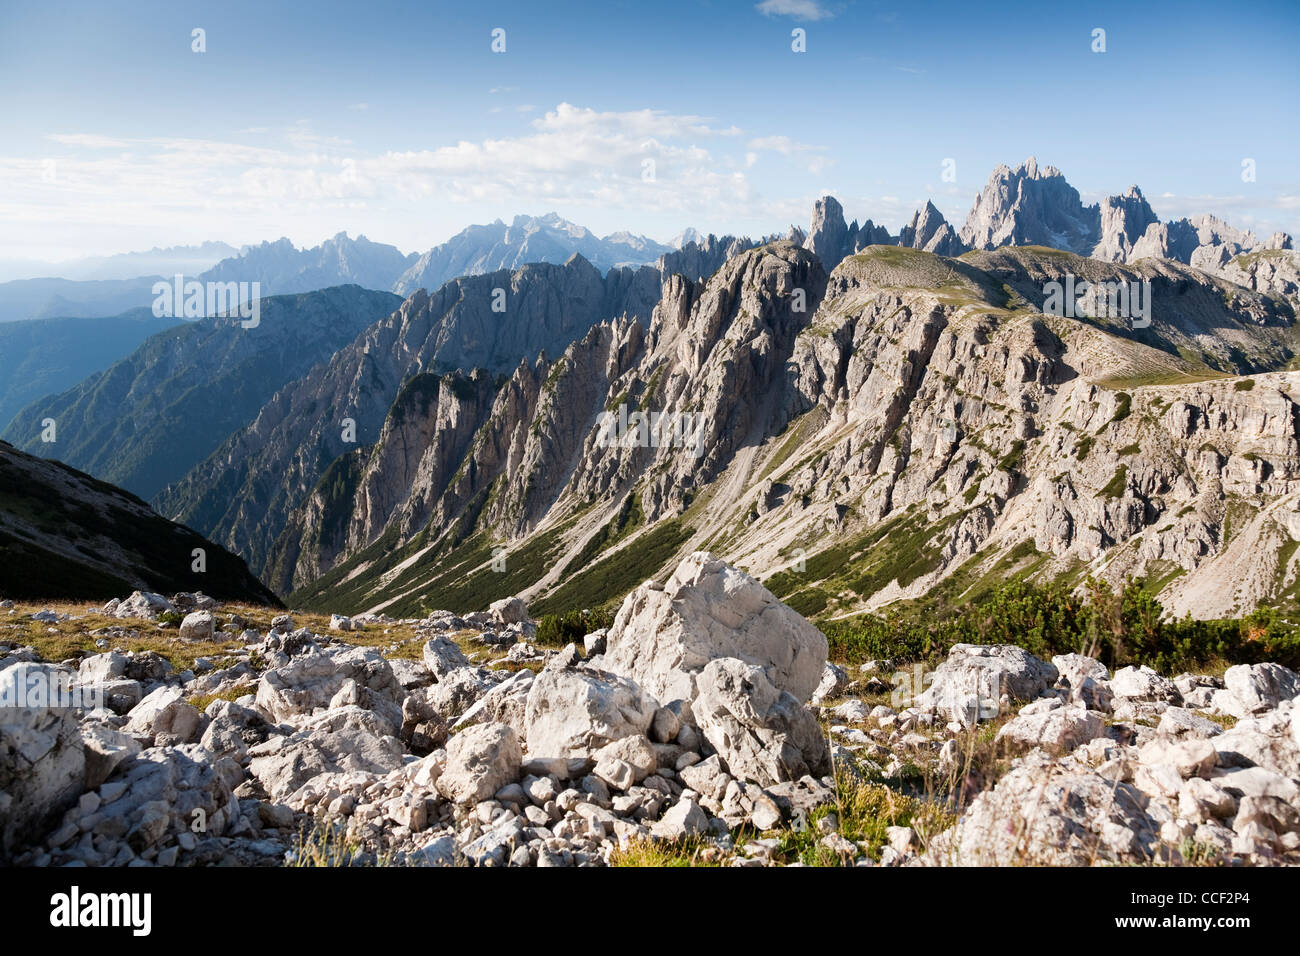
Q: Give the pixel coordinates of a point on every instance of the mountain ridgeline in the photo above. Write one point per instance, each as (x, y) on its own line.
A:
(919, 424)
(48, 356)
(65, 534)
(148, 419)
(874, 420)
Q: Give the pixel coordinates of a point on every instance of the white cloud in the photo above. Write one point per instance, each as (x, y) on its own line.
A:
(782, 144)
(297, 181)
(799, 9)
(88, 140)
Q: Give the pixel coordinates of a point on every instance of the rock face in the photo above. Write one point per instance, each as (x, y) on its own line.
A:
(929, 231)
(1124, 221)
(1031, 205)
(762, 732)
(1274, 270)
(42, 760)
(574, 713)
(1209, 243)
(831, 239)
(1034, 205)
(663, 637)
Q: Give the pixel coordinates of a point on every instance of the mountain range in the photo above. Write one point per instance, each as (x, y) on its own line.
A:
(190, 260)
(281, 267)
(152, 416)
(46, 356)
(884, 419)
(923, 425)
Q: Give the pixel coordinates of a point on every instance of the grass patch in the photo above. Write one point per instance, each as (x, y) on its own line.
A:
(617, 573)
(692, 851)
(1116, 486)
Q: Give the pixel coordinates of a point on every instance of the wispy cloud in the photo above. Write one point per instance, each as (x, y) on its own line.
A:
(782, 144)
(88, 140)
(297, 180)
(799, 9)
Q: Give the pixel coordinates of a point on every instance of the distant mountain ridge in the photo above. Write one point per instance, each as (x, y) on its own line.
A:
(150, 417)
(46, 356)
(190, 260)
(549, 238)
(282, 268)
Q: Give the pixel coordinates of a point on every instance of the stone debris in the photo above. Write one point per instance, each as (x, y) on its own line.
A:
(444, 760)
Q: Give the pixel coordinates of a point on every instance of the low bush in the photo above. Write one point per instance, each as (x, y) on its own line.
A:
(1122, 627)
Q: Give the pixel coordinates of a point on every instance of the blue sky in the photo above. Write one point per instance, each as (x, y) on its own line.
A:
(397, 120)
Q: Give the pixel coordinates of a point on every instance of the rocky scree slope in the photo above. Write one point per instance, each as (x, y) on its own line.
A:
(703, 725)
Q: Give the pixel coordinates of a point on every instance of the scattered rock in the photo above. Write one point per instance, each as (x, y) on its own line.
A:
(970, 685)
(1143, 684)
(1058, 730)
(198, 626)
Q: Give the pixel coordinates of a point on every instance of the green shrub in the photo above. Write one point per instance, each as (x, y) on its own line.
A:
(556, 630)
(1119, 628)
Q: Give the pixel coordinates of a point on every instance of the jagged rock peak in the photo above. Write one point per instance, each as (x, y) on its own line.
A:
(930, 231)
(1031, 205)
